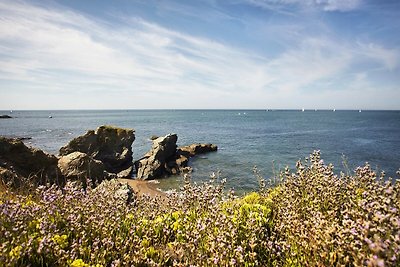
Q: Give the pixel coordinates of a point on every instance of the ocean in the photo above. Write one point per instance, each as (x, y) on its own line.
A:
(267, 139)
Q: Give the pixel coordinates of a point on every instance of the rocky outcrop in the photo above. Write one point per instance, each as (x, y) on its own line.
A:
(155, 163)
(110, 145)
(18, 161)
(196, 149)
(165, 159)
(80, 166)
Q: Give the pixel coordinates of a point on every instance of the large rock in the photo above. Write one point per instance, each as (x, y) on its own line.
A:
(165, 159)
(110, 145)
(20, 161)
(155, 163)
(80, 166)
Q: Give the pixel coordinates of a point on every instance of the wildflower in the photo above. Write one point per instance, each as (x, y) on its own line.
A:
(61, 240)
(145, 243)
(79, 263)
(16, 252)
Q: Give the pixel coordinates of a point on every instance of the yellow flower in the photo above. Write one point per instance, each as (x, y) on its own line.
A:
(29, 203)
(16, 252)
(176, 225)
(145, 243)
(176, 215)
(252, 198)
(79, 263)
(158, 220)
(151, 251)
(61, 240)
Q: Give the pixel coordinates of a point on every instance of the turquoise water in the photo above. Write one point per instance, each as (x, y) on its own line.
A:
(269, 139)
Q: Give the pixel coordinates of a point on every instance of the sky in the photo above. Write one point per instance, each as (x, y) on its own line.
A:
(200, 54)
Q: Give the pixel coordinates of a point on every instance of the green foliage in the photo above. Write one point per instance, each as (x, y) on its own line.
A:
(312, 218)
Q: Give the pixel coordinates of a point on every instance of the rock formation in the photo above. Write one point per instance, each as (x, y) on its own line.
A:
(18, 161)
(79, 166)
(110, 145)
(196, 149)
(165, 159)
(155, 163)
(99, 155)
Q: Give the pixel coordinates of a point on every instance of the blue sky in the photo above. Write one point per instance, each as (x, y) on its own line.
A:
(257, 54)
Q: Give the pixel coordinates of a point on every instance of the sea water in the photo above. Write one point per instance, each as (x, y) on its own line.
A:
(267, 139)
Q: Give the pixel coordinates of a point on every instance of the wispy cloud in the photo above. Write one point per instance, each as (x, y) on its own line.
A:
(91, 63)
(326, 5)
(65, 51)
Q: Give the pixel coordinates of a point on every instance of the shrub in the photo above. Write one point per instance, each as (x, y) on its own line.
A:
(311, 218)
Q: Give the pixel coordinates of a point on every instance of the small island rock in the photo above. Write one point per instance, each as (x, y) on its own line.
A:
(196, 149)
(5, 117)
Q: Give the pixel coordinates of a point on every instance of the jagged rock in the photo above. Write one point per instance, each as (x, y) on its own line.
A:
(23, 161)
(155, 163)
(80, 166)
(196, 149)
(111, 145)
(165, 159)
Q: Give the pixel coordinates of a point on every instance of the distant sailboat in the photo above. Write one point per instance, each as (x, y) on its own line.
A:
(302, 109)
(334, 110)
(359, 110)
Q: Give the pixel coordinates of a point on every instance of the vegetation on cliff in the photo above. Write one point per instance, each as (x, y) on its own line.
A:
(311, 217)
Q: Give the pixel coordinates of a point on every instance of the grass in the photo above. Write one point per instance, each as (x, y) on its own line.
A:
(310, 217)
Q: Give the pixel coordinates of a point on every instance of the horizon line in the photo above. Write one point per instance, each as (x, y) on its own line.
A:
(201, 109)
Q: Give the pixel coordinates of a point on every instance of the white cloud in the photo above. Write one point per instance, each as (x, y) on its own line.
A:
(85, 63)
(137, 57)
(326, 5)
(339, 5)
